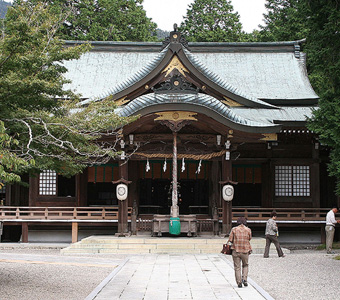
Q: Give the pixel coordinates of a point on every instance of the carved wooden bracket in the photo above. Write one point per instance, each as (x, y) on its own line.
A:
(122, 180)
(175, 126)
(228, 181)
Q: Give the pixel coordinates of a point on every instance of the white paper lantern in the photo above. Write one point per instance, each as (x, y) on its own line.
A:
(122, 191)
(228, 192)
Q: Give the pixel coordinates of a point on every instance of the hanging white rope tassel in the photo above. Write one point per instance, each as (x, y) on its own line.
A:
(199, 167)
(164, 166)
(147, 167)
(183, 165)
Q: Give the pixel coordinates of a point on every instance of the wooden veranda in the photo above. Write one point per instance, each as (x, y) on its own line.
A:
(102, 216)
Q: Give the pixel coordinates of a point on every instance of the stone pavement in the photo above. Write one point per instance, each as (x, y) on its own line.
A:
(175, 277)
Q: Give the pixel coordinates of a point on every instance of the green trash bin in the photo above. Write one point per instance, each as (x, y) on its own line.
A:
(174, 226)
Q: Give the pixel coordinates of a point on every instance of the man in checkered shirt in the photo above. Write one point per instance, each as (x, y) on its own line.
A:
(240, 236)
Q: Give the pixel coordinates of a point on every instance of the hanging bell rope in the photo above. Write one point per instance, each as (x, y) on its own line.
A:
(181, 156)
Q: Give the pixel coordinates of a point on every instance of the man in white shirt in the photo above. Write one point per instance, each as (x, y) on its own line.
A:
(330, 228)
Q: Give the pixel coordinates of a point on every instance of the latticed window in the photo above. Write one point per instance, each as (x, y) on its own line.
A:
(48, 183)
(53, 184)
(292, 181)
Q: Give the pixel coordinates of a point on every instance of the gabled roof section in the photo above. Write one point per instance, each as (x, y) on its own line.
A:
(176, 61)
(200, 103)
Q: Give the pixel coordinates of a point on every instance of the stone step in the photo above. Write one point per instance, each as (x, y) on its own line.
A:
(161, 240)
(135, 245)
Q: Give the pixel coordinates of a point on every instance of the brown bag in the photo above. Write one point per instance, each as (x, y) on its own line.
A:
(226, 249)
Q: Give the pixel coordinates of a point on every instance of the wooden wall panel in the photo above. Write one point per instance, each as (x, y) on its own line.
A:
(157, 170)
(258, 175)
(91, 174)
(115, 173)
(99, 174)
(240, 175)
(192, 171)
(168, 173)
(248, 175)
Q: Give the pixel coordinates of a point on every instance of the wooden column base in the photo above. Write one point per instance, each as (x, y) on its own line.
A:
(24, 228)
(323, 234)
(74, 232)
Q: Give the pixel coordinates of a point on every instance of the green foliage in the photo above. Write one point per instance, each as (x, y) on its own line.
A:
(324, 59)
(323, 246)
(318, 22)
(104, 20)
(212, 21)
(38, 129)
(285, 20)
(10, 163)
(162, 34)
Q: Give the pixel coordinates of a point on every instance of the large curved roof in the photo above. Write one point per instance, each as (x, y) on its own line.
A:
(272, 72)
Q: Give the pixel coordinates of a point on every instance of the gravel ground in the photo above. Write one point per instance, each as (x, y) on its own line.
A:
(49, 276)
(302, 274)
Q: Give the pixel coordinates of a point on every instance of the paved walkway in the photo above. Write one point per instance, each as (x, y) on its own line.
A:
(175, 277)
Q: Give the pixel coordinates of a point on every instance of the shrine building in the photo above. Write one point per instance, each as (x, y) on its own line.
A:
(209, 115)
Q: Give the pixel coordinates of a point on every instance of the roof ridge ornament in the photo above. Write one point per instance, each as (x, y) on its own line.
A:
(176, 84)
(175, 37)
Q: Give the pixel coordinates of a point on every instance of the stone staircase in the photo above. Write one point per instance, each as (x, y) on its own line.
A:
(156, 245)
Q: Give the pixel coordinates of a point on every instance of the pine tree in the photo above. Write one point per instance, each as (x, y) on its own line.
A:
(104, 20)
(212, 21)
(284, 21)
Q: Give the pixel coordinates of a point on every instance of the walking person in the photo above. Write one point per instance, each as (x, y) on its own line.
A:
(330, 228)
(271, 236)
(240, 237)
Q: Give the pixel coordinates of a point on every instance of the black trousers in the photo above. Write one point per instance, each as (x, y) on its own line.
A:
(272, 239)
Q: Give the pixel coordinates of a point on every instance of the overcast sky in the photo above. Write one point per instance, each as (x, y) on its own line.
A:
(167, 12)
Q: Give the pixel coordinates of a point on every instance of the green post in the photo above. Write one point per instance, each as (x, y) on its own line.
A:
(174, 226)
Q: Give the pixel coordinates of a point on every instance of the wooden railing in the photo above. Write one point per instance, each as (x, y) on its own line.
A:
(111, 213)
(59, 213)
(283, 214)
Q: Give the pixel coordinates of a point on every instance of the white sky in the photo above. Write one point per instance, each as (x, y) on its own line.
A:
(167, 12)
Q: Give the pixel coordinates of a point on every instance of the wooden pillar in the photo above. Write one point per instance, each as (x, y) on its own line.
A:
(174, 207)
(74, 232)
(133, 195)
(8, 195)
(227, 205)
(123, 205)
(315, 177)
(215, 199)
(33, 190)
(214, 195)
(267, 197)
(24, 232)
(81, 188)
